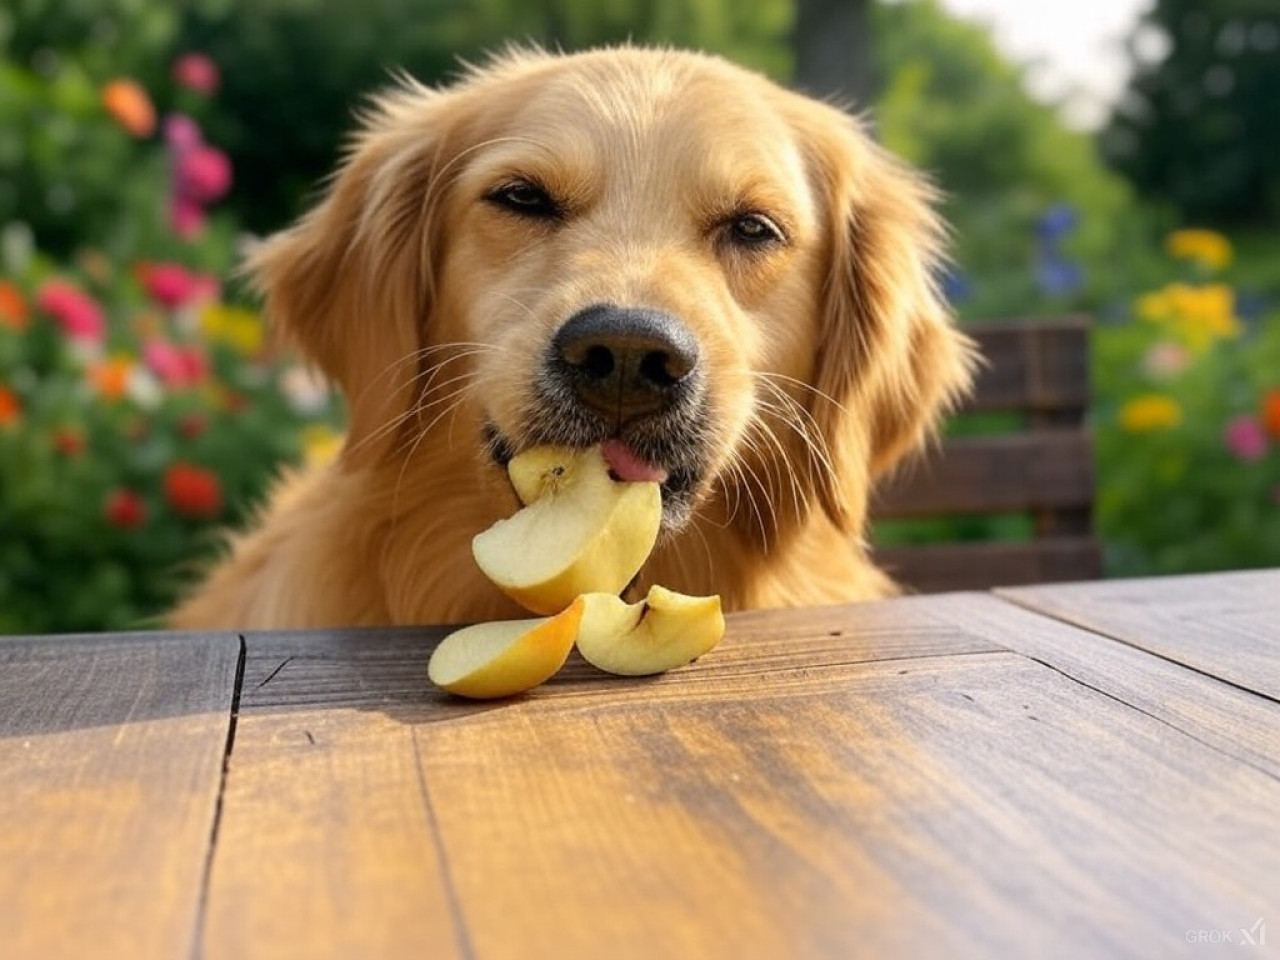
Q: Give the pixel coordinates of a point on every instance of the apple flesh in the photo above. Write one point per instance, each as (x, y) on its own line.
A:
(490, 660)
(661, 632)
(582, 531)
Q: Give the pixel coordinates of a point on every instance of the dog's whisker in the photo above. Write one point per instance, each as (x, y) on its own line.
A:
(800, 420)
(450, 400)
(809, 387)
(395, 422)
(785, 479)
(416, 356)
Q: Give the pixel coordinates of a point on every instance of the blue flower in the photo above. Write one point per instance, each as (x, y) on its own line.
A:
(957, 286)
(1058, 277)
(1056, 222)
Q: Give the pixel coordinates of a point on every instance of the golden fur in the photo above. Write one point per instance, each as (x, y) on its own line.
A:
(827, 357)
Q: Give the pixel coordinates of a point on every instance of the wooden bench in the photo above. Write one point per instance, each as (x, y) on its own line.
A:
(1039, 371)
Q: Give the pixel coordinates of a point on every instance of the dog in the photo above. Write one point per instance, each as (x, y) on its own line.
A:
(728, 285)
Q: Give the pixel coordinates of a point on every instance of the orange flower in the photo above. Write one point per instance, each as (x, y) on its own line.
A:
(10, 408)
(13, 308)
(125, 100)
(1271, 411)
(111, 378)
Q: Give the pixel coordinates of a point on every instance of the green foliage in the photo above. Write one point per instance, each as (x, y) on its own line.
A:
(1200, 491)
(143, 416)
(952, 106)
(1198, 125)
(295, 69)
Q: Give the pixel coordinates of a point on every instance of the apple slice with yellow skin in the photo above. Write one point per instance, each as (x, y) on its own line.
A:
(490, 660)
(664, 631)
(582, 532)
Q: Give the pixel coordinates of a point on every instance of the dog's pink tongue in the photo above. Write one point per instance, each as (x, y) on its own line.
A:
(627, 466)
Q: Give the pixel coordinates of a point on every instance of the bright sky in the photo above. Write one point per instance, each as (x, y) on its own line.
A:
(1076, 45)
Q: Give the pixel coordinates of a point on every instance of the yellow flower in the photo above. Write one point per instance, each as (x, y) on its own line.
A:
(1150, 411)
(320, 444)
(1196, 315)
(238, 328)
(1209, 249)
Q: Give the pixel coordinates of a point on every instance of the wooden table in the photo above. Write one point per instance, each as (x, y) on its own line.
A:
(1079, 771)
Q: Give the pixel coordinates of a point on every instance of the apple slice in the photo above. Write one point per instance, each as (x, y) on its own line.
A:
(501, 659)
(582, 532)
(542, 470)
(661, 632)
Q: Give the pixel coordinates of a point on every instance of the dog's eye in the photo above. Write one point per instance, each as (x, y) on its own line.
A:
(527, 199)
(754, 229)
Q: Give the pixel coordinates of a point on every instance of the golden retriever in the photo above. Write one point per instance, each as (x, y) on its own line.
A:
(729, 285)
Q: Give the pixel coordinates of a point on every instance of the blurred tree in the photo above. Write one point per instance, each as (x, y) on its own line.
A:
(832, 43)
(1198, 125)
(294, 70)
(1010, 168)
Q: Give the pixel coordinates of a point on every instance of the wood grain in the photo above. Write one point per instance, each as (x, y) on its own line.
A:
(111, 755)
(327, 846)
(1039, 365)
(968, 806)
(997, 474)
(1234, 721)
(1224, 625)
(889, 780)
(980, 565)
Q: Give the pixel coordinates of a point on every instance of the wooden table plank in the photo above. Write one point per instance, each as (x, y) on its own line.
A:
(887, 780)
(327, 845)
(1225, 625)
(1235, 721)
(111, 754)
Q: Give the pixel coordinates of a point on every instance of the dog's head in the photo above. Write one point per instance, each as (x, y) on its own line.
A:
(729, 285)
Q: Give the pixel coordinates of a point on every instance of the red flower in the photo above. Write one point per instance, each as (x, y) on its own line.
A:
(192, 425)
(10, 406)
(1271, 412)
(173, 285)
(192, 491)
(197, 72)
(80, 316)
(126, 509)
(69, 441)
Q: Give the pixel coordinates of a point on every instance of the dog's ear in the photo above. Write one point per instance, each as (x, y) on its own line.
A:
(890, 360)
(351, 282)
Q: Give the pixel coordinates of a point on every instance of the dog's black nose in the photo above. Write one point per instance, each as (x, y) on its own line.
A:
(624, 362)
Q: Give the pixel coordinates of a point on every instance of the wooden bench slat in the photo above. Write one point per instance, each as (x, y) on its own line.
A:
(1006, 473)
(977, 566)
(1037, 366)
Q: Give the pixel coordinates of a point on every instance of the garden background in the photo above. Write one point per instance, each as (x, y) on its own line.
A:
(143, 143)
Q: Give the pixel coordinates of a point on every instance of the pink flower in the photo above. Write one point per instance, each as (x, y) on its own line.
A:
(187, 218)
(173, 285)
(1245, 438)
(1166, 360)
(196, 72)
(175, 366)
(204, 173)
(79, 315)
(181, 132)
